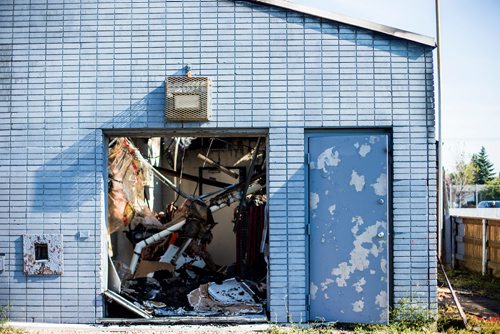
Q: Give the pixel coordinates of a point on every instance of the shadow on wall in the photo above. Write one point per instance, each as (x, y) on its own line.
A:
(67, 188)
(72, 180)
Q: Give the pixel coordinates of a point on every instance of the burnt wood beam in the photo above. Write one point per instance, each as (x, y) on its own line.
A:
(193, 178)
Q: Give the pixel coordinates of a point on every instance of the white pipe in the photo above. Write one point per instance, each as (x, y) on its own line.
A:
(166, 232)
(176, 140)
(152, 239)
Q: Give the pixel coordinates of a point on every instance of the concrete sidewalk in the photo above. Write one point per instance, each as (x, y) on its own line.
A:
(42, 328)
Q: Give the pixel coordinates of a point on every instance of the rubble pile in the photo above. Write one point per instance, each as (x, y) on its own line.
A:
(159, 262)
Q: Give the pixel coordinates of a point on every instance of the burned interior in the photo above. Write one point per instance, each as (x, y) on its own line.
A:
(187, 226)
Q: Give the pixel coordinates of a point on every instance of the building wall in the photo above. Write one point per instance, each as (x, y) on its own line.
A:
(71, 68)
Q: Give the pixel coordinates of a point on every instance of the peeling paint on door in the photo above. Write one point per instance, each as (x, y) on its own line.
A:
(314, 200)
(358, 286)
(331, 209)
(358, 181)
(380, 187)
(358, 306)
(328, 158)
(348, 188)
(313, 290)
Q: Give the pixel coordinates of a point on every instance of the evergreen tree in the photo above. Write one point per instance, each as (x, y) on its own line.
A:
(491, 191)
(483, 167)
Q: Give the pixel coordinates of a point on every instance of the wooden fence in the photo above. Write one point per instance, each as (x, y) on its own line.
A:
(476, 244)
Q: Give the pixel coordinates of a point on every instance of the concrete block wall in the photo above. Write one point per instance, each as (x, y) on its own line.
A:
(71, 68)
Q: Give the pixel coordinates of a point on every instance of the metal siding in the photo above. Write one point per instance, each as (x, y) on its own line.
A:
(71, 69)
(348, 217)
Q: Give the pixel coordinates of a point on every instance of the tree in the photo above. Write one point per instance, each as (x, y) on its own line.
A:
(462, 176)
(484, 170)
(491, 191)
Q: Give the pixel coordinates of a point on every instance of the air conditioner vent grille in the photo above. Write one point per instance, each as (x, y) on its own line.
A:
(188, 99)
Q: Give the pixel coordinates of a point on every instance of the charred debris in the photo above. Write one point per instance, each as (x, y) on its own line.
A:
(187, 227)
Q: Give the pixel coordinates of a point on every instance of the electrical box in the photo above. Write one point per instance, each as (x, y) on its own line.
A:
(43, 254)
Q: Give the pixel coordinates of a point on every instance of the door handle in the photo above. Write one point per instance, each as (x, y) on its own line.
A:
(380, 234)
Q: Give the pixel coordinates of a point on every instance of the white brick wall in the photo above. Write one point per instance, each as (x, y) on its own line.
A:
(71, 68)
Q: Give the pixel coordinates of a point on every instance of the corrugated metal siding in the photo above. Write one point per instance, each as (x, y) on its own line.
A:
(70, 69)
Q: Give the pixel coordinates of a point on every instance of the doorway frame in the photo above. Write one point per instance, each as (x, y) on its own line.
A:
(107, 133)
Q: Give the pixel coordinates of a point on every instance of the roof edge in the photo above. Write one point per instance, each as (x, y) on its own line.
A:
(387, 30)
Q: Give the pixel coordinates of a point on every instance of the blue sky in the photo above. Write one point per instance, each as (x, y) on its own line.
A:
(470, 47)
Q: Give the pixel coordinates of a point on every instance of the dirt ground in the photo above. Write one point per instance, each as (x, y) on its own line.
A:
(471, 302)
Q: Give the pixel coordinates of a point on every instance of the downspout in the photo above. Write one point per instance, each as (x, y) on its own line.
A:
(440, 198)
(439, 133)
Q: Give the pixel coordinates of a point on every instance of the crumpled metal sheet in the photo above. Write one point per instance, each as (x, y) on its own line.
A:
(127, 304)
(230, 292)
(53, 265)
(200, 300)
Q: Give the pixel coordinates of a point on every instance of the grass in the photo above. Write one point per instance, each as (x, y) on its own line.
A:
(415, 320)
(406, 318)
(487, 286)
(10, 330)
(4, 313)
(448, 325)
(450, 322)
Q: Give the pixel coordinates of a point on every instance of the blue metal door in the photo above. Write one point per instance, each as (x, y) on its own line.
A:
(348, 215)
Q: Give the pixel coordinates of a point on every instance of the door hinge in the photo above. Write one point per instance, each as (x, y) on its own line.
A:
(308, 229)
(308, 159)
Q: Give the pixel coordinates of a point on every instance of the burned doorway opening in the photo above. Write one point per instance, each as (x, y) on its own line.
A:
(187, 227)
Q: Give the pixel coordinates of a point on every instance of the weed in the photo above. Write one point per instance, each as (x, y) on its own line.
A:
(10, 330)
(486, 286)
(4, 314)
(4, 317)
(406, 317)
(450, 322)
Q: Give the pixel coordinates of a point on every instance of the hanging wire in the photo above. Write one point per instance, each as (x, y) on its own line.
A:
(180, 176)
(204, 162)
(159, 175)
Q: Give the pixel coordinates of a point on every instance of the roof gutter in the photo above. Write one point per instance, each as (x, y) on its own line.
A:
(407, 35)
